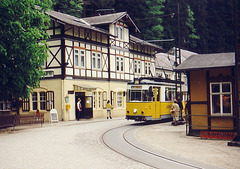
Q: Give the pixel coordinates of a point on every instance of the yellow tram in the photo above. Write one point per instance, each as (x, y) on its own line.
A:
(150, 99)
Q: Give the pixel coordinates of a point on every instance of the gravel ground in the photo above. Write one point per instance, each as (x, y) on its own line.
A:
(173, 140)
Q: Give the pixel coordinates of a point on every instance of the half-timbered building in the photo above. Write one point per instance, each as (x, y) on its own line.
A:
(93, 59)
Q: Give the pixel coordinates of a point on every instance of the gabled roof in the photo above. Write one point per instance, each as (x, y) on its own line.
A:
(203, 61)
(110, 19)
(134, 39)
(72, 20)
(166, 60)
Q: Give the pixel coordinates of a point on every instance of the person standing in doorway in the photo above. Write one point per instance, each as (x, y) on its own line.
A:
(79, 109)
(109, 109)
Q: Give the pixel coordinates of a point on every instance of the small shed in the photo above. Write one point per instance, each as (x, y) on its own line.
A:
(211, 96)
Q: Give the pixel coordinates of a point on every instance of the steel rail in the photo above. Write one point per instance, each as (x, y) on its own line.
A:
(142, 150)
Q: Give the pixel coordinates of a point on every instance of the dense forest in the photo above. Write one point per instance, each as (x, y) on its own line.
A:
(202, 26)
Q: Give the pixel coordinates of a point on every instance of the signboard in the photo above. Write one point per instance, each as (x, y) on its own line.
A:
(54, 115)
(218, 135)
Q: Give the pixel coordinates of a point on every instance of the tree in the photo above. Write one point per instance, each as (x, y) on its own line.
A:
(155, 28)
(71, 7)
(192, 37)
(22, 46)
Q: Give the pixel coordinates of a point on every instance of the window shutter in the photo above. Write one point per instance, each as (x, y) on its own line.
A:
(50, 100)
(25, 104)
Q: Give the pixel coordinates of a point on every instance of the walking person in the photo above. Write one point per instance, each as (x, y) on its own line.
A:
(79, 109)
(109, 109)
(175, 112)
(179, 102)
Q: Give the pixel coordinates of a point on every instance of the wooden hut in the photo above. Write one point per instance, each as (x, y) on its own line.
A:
(211, 96)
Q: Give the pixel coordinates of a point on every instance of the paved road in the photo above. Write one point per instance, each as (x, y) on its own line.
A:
(77, 144)
(70, 145)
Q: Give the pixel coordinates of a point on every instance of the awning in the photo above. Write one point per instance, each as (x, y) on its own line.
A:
(84, 87)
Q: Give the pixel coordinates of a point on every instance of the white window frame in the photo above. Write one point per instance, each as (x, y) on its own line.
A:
(220, 94)
(42, 100)
(120, 99)
(34, 100)
(82, 58)
(120, 64)
(76, 58)
(99, 100)
(5, 105)
(94, 100)
(119, 32)
(96, 60)
(147, 68)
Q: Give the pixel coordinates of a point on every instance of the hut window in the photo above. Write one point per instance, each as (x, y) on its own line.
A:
(221, 98)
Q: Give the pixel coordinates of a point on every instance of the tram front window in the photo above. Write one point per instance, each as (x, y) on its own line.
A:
(140, 95)
(135, 95)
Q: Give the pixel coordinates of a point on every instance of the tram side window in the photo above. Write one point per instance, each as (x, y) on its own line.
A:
(169, 94)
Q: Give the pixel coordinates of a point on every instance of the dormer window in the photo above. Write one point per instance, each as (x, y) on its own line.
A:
(119, 32)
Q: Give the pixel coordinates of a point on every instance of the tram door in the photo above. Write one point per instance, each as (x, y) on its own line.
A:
(157, 102)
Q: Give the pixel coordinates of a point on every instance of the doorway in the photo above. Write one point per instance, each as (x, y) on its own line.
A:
(86, 103)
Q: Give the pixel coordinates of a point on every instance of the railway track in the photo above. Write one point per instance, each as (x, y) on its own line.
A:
(122, 141)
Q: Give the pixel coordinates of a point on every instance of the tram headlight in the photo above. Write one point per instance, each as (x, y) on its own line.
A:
(135, 111)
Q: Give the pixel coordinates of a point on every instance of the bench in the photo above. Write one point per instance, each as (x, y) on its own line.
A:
(7, 121)
(29, 119)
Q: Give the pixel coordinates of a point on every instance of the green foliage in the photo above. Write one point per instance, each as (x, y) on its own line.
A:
(71, 7)
(22, 46)
(155, 28)
(192, 31)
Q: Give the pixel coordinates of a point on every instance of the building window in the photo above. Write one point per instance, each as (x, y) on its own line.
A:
(104, 99)
(79, 58)
(76, 58)
(119, 99)
(120, 64)
(113, 94)
(137, 67)
(42, 101)
(96, 60)
(34, 101)
(119, 32)
(5, 105)
(94, 100)
(82, 58)
(221, 98)
(147, 68)
(99, 100)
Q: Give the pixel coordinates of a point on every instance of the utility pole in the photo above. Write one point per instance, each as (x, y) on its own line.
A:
(178, 75)
(236, 6)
